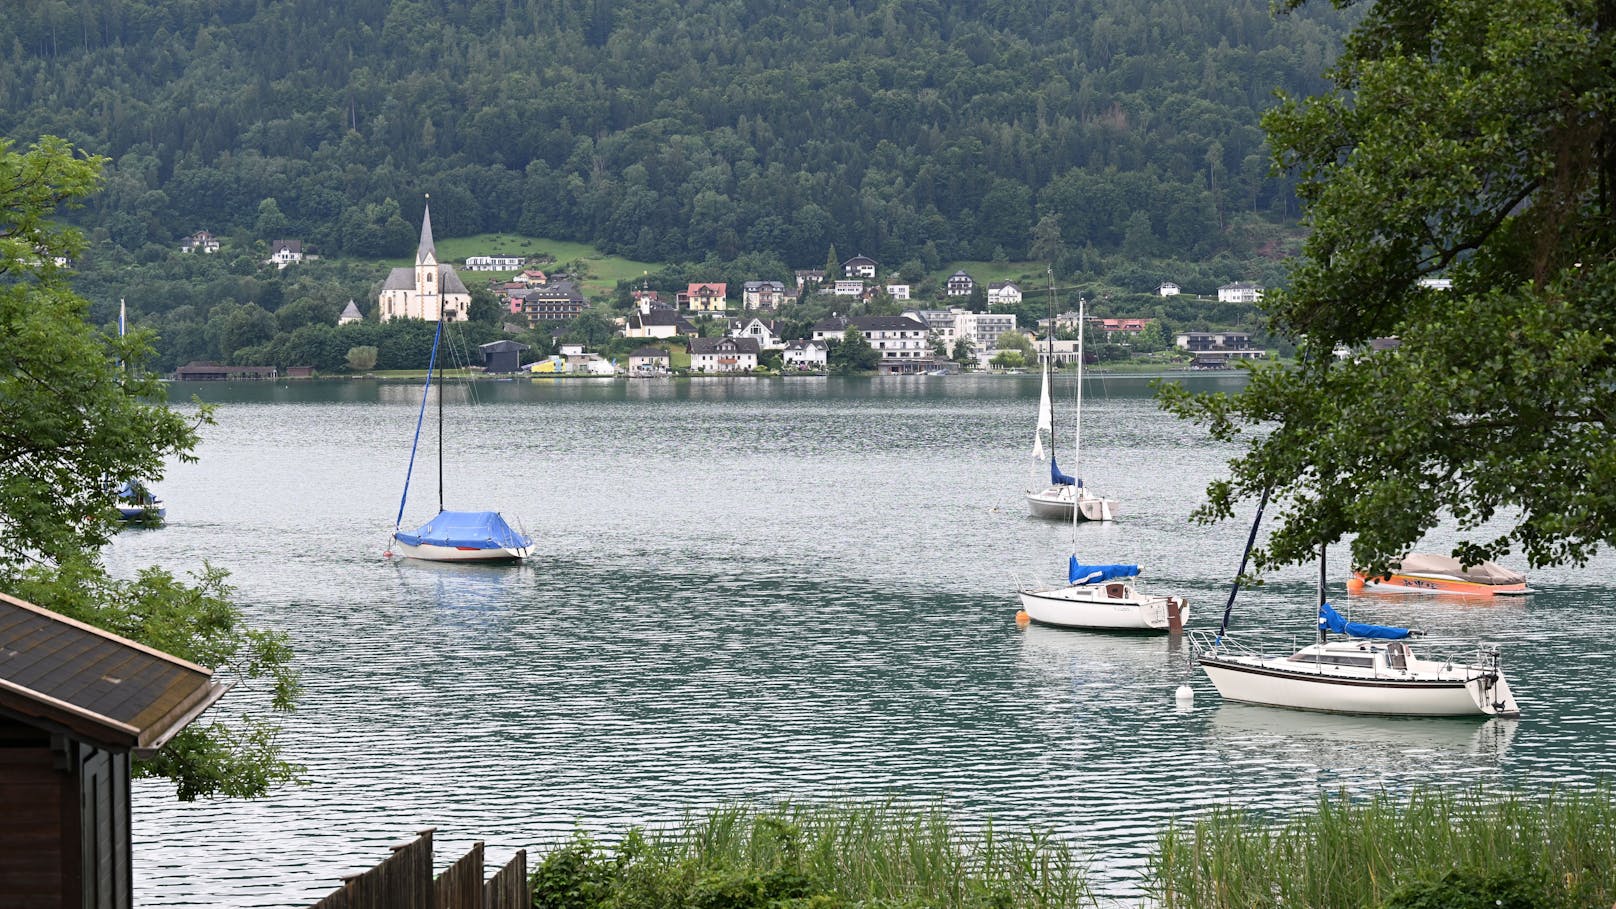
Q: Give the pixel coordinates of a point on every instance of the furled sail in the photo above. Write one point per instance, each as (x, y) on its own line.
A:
(1097, 574)
(1057, 478)
(1330, 620)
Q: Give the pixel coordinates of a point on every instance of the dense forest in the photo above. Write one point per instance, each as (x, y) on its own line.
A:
(912, 131)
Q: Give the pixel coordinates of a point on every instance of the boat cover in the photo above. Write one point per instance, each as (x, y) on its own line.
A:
(132, 491)
(1486, 573)
(1330, 620)
(1098, 574)
(1060, 479)
(466, 530)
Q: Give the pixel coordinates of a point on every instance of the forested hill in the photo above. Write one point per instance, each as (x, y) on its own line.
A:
(663, 130)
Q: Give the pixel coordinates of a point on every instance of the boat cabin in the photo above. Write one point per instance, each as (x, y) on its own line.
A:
(1392, 656)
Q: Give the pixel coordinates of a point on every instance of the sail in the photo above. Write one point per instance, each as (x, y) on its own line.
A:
(1097, 574)
(466, 530)
(1330, 620)
(1044, 419)
(1057, 478)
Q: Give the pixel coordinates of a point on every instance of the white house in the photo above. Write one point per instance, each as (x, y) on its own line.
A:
(1004, 293)
(849, 288)
(1240, 292)
(201, 241)
(859, 267)
(900, 340)
(940, 323)
(493, 263)
(898, 291)
(428, 290)
(762, 294)
(285, 252)
(982, 329)
(648, 361)
(766, 332)
(802, 354)
(658, 323)
(960, 284)
(723, 354)
(1167, 289)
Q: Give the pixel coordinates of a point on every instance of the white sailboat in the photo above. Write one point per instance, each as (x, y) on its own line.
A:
(1103, 598)
(1065, 498)
(1372, 670)
(452, 536)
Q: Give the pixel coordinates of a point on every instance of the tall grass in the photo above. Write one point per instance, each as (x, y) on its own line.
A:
(1378, 851)
(822, 856)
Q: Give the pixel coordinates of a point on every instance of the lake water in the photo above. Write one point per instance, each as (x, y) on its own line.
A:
(758, 590)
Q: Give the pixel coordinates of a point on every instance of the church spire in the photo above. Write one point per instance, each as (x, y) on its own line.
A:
(426, 248)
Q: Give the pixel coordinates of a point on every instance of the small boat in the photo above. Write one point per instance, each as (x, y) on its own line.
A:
(450, 536)
(136, 503)
(1372, 671)
(1103, 598)
(1065, 498)
(1420, 572)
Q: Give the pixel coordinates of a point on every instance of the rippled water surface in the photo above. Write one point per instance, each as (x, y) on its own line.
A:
(760, 590)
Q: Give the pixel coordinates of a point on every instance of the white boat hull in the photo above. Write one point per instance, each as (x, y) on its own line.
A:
(1057, 501)
(1270, 681)
(1098, 607)
(428, 552)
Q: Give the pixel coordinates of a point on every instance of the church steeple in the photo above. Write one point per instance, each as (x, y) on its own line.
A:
(426, 250)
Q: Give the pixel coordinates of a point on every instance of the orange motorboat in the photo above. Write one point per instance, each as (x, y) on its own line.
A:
(1420, 572)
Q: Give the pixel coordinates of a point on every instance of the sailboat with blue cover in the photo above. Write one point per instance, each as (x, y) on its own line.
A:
(1103, 598)
(1368, 669)
(450, 536)
(1065, 498)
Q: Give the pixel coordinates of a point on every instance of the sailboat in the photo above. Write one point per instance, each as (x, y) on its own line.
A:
(452, 536)
(1103, 598)
(1371, 669)
(1066, 498)
(1421, 572)
(136, 503)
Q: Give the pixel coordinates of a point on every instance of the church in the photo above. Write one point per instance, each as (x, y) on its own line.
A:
(428, 291)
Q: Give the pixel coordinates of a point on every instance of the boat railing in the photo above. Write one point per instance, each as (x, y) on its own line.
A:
(1211, 643)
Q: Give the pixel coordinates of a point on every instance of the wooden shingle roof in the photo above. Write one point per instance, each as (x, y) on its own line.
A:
(63, 675)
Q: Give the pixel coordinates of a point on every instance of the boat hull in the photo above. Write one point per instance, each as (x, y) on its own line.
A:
(1269, 682)
(1424, 583)
(428, 552)
(1056, 502)
(1088, 607)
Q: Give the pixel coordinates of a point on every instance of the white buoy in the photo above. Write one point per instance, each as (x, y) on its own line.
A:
(1184, 694)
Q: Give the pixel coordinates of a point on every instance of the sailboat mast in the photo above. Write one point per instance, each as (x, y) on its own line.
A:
(440, 423)
(1049, 357)
(1322, 575)
(1077, 434)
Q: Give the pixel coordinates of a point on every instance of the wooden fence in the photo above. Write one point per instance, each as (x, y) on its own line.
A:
(404, 881)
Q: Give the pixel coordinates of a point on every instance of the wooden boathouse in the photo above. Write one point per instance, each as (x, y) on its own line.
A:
(77, 704)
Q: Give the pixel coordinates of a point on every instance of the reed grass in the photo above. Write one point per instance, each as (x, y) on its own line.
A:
(821, 856)
(1377, 851)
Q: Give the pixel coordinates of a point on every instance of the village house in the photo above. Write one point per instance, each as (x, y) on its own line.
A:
(350, 314)
(532, 276)
(647, 300)
(201, 241)
(809, 278)
(1167, 289)
(502, 356)
(1063, 353)
(285, 252)
(704, 298)
(648, 361)
(859, 267)
(1240, 292)
(803, 354)
(1004, 293)
(1120, 329)
(898, 291)
(766, 332)
(723, 354)
(763, 295)
(555, 301)
(982, 329)
(1214, 349)
(849, 288)
(428, 291)
(493, 263)
(658, 323)
(940, 325)
(960, 284)
(900, 340)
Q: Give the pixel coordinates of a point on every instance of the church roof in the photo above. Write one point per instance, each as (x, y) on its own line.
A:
(426, 248)
(351, 312)
(404, 279)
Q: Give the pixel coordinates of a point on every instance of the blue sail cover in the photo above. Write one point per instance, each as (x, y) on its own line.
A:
(1330, 620)
(466, 530)
(1098, 574)
(1060, 479)
(135, 493)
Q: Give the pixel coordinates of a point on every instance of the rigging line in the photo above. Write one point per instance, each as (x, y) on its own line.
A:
(420, 416)
(1250, 542)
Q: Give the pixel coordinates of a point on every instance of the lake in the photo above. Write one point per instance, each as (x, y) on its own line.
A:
(759, 590)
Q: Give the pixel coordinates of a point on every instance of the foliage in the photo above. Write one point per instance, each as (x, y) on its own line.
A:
(811, 857)
(362, 358)
(78, 415)
(852, 354)
(1473, 142)
(1559, 848)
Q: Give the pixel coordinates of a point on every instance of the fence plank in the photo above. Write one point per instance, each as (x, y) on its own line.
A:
(509, 887)
(460, 886)
(402, 881)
